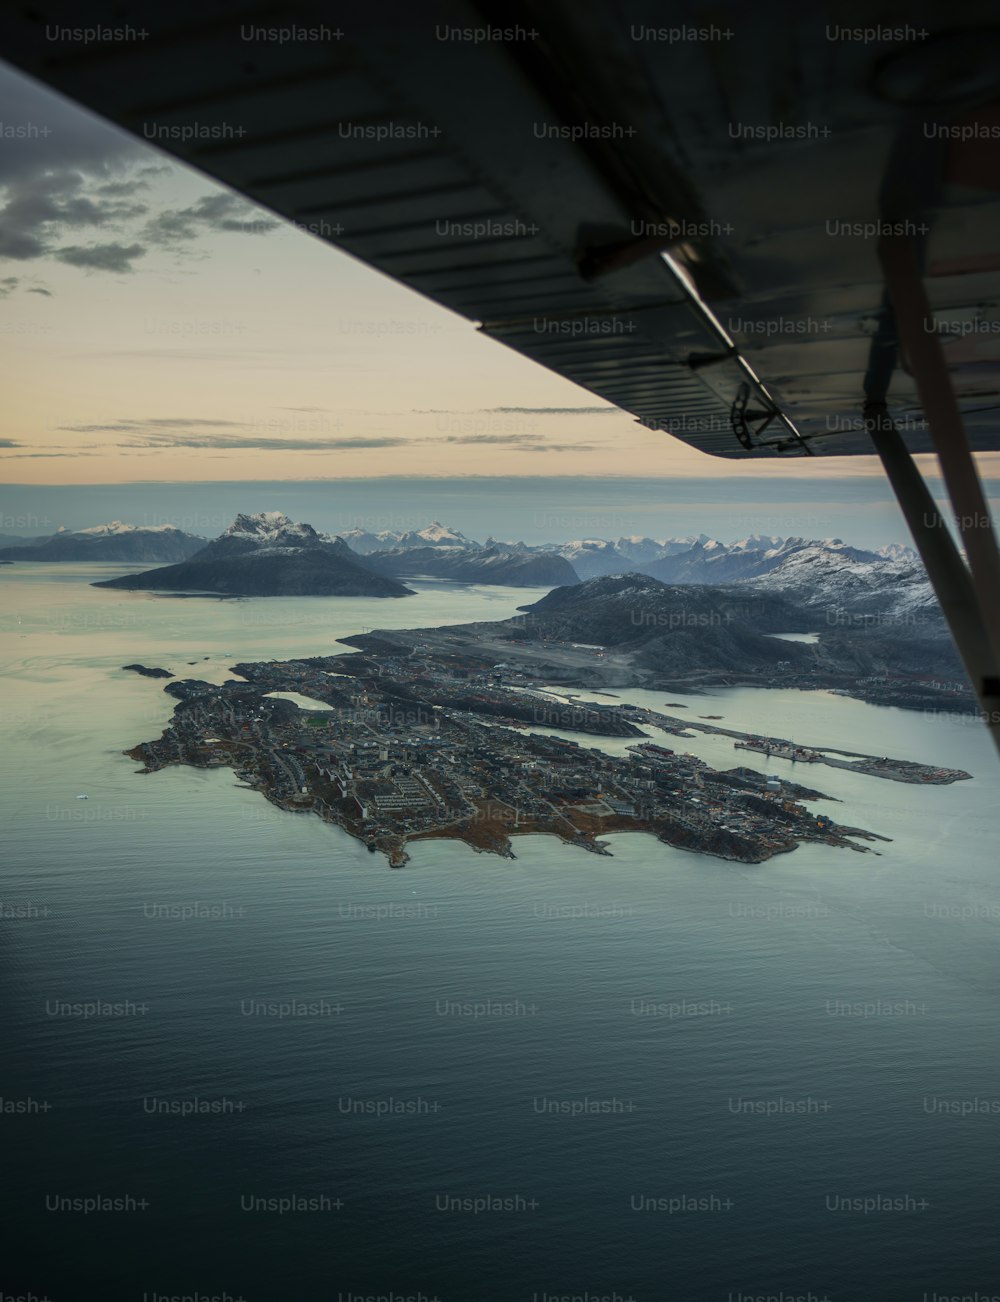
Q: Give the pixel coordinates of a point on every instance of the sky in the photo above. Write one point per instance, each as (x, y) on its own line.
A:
(156, 328)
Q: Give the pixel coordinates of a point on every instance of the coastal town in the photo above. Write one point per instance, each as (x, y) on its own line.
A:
(410, 741)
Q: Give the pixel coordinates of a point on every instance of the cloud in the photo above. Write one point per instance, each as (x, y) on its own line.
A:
(9, 443)
(35, 455)
(122, 189)
(160, 432)
(517, 411)
(72, 171)
(385, 441)
(36, 211)
(554, 411)
(266, 443)
(516, 444)
(489, 438)
(101, 257)
(64, 136)
(8, 285)
(154, 422)
(38, 290)
(211, 434)
(64, 173)
(212, 212)
(523, 442)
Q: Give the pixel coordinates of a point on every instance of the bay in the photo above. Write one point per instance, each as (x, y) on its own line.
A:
(658, 1075)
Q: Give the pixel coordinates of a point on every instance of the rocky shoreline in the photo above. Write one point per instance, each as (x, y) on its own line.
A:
(426, 735)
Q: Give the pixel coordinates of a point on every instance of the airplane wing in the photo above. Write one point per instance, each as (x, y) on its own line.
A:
(678, 214)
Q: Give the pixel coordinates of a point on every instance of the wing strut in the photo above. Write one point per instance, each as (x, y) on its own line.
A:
(950, 577)
(968, 592)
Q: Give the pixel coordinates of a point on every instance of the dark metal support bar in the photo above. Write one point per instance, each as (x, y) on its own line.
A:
(950, 578)
(604, 259)
(912, 310)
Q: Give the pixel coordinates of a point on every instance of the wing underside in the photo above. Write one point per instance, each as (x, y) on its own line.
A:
(685, 225)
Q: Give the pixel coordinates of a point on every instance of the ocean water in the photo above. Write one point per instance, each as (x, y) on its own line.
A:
(656, 1075)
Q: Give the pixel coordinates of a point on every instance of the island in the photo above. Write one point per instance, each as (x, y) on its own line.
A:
(266, 555)
(425, 734)
(149, 673)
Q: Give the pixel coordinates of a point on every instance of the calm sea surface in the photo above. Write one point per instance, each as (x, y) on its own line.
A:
(656, 1076)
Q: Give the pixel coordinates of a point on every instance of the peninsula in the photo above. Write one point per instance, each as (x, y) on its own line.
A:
(428, 734)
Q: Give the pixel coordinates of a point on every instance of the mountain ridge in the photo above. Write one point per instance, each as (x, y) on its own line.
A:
(114, 541)
(476, 565)
(267, 555)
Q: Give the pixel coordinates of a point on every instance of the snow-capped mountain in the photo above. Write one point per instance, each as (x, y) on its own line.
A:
(268, 555)
(849, 586)
(363, 542)
(593, 557)
(870, 615)
(671, 628)
(896, 552)
(499, 544)
(266, 531)
(433, 535)
(713, 562)
(840, 582)
(645, 550)
(639, 549)
(437, 535)
(266, 525)
(501, 565)
(114, 541)
(675, 560)
(118, 527)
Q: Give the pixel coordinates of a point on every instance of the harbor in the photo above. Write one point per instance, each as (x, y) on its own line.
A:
(876, 766)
